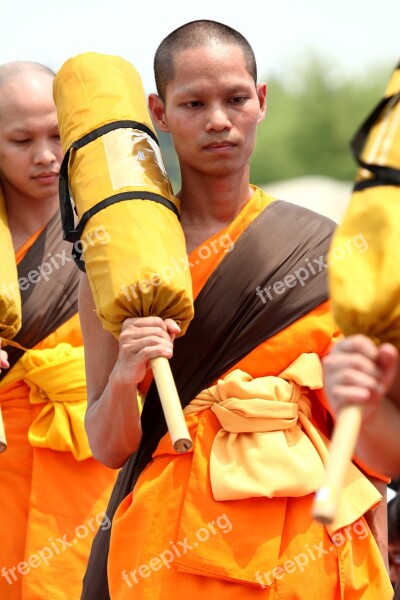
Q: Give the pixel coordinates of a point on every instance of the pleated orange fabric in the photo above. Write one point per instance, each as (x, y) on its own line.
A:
(172, 539)
(51, 505)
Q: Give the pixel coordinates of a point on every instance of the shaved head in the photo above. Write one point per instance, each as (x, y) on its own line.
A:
(18, 75)
(195, 34)
(12, 70)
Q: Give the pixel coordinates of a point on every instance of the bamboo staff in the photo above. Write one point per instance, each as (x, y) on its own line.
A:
(171, 404)
(343, 443)
(3, 440)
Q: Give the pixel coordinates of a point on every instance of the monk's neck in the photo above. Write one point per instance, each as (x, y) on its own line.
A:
(204, 212)
(26, 216)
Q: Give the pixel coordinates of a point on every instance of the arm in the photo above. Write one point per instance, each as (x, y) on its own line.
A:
(113, 370)
(379, 441)
(358, 372)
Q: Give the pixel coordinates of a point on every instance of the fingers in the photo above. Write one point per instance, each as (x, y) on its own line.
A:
(144, 322)
(151, 326)
(351, 375)
(134, 332)
(388, 355)
(348, 382)
(142, 339)
(359, 372)
(359, 344)
(167, 325)
(144, 349)
(353, 395)
(4, 364)
(145, 339)
(172, 327)
(350, 364)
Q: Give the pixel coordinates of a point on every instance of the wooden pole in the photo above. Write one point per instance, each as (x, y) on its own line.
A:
(3, 441)
(171, 404)
(344, 440)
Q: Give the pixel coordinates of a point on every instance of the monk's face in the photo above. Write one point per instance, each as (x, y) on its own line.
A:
(30, 148)
(212, 110)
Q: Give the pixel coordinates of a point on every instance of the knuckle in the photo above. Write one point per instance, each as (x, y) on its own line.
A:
(129, 322)
(148, 352)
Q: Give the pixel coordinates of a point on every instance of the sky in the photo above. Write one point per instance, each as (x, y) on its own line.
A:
(351, 35)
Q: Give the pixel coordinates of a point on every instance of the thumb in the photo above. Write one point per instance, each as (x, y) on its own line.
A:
(173, 328)
(387, 361)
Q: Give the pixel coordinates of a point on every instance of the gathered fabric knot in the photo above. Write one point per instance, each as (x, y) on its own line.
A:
(56, 380)
(268, 446)
(261, 449)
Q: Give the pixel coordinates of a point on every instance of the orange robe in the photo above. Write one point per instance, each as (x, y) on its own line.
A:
(181, 534)
(51, 504)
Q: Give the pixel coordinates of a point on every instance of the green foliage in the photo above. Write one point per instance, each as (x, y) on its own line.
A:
(309, 125)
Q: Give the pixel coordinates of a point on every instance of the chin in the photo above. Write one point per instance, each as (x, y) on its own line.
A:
(224, 171)
(47, 195)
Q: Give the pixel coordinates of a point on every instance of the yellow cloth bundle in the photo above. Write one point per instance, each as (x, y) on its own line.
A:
(129, 231)
(10, 299)
(56, 380)
(364, 275)
(268, 446)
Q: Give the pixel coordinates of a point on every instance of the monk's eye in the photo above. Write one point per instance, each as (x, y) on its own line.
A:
(238, 100)
(194, 104)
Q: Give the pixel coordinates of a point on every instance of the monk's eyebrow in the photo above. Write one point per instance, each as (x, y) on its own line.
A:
(198, 91)
(20, 130)
(24, 131)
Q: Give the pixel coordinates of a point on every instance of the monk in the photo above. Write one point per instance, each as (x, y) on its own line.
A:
(232, 517)
(52, 492)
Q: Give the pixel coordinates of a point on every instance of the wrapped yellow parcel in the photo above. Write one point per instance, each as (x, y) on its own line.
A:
(128, 231)
(364, 259)
(128, 227)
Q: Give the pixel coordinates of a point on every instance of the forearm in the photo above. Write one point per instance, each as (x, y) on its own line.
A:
(113, 423)
(379, 442)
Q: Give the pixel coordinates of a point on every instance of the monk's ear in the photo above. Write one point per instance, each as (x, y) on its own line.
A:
(262, 99)
(157, 110)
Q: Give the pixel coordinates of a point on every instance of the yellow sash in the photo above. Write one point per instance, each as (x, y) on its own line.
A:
(56, 380)
(268, 446)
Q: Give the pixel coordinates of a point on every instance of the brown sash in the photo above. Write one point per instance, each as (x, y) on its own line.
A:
(230, 320)
(48, 280)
